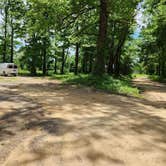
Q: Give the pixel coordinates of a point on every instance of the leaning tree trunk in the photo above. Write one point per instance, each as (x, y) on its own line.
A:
(99, 67)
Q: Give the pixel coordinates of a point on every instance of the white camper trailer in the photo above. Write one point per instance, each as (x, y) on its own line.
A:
(8, 69)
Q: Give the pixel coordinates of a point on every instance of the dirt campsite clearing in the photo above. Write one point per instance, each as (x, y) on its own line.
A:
(43, 122)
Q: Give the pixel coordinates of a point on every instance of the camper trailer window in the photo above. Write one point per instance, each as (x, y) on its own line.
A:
(15, 66)
(10, 66)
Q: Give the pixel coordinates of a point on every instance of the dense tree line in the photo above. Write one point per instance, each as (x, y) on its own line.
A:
(153, 38)
(11, 17)
(80, 36)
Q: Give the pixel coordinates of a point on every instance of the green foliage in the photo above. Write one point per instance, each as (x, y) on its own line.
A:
(59, 25)
(11, 25)
(106, 83)
(153, 38)
(136, 75)
(157, 78)
(46, 34)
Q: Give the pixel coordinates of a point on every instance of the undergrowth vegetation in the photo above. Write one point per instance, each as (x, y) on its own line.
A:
(121, 85)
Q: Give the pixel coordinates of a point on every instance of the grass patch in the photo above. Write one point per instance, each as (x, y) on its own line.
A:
(64, 77)
(151, 77)
(107, 83)
(157, 78)
(27, 73)
(139, 76)
(23, 72)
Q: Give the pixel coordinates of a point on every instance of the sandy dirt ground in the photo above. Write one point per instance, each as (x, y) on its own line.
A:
(45, 123)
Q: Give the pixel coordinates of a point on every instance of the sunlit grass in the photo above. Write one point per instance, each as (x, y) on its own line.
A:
(157, 78)
(121, 85)
(139, 75)
(106, 83)
(151, 77)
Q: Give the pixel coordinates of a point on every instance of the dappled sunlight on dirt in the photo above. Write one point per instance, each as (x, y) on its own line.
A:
(153, 91)
(48, 123)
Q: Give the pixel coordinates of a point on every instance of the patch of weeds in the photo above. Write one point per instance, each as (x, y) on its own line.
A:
(121, 85)
(157, 78)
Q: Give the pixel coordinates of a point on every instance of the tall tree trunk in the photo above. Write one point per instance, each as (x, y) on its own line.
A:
(5, 33)
(55, 65)
(159, 65)
(119, 51)
(12, 41)
(33, 63)
(163, 69)
(99, 67)
(163, 62)
(110, 69)
(117, 64)
(90, 63)
(63, 60)
(44, 57)
(33, 69)
(76, 59)
(84, 63)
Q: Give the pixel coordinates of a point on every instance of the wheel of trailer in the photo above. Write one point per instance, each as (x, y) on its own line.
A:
(4, 73)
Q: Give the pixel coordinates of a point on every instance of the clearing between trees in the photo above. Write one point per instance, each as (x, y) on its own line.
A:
(44, 122)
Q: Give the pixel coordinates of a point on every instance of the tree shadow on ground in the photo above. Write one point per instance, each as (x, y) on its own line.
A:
(29, 115)
(34, 114)
(90, 117)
